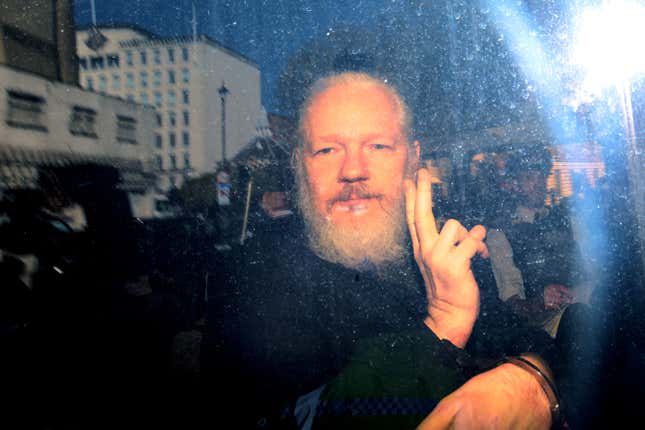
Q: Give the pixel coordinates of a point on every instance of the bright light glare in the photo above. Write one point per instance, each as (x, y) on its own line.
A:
(609, 42)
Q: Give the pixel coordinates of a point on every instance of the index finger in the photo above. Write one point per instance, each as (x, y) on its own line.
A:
(426, 224)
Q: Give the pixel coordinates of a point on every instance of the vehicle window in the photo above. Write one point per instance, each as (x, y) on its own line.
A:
(529, 116)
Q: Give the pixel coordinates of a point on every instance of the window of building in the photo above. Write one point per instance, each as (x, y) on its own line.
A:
(82, 122)
(143, 98)
(144, 79)
(185, 75)
(158, 141)
(173, 161)
(185, 96)
(186, 118)
(130, 97)
(172, 119)
(156, 56)
(129, 80)
(159, 119)
(185, 138)
(158, 99)
(97, 63)
(102, 83)
(171, 55)
(143, 57)
(116, 82)
(126, 129)
(185, 55)
(172, 98)
(186, 160)
(171, 76)
(82, 63)
(156, 80)
(159, 162)
(89, 83)
(25, 110)
(128, 58)
(171, 139)
(113, 60)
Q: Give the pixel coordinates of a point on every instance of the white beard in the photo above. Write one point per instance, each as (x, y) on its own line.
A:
(377, 244)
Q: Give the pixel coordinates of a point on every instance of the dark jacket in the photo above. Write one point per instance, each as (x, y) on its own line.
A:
(282, 322)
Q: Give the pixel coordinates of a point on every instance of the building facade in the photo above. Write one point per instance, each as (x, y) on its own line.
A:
(35, 37)
(48, 123)
(207, 97)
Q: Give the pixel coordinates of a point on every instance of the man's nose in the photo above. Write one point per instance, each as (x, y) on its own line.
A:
(354, 166)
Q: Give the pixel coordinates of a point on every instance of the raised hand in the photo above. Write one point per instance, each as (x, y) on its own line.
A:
(444, 261)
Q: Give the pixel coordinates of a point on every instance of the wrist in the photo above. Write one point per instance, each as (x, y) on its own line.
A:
(546, 389)
(454, 327)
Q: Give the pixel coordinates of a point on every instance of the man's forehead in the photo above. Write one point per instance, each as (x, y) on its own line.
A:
(352, 110)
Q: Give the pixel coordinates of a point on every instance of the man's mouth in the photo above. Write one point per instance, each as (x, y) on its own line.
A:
(355, 206)
(353, 199)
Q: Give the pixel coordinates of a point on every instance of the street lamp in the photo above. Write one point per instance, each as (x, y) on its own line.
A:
(223, 92)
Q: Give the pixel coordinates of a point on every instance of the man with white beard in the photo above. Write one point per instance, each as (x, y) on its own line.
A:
(298, 307)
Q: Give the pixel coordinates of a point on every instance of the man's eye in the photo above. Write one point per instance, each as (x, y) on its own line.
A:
(324, 151)
(381, 146)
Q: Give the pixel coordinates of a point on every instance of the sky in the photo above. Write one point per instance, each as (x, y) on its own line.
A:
(417, 40)
(268, 32)
(456, 62)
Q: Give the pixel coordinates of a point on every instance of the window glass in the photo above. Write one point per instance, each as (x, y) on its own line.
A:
(82, 122)
(113, 60)
(116, 82)
(25, 110)
(528, 115)
(102, 83)
(126, 129)
(97, 63)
